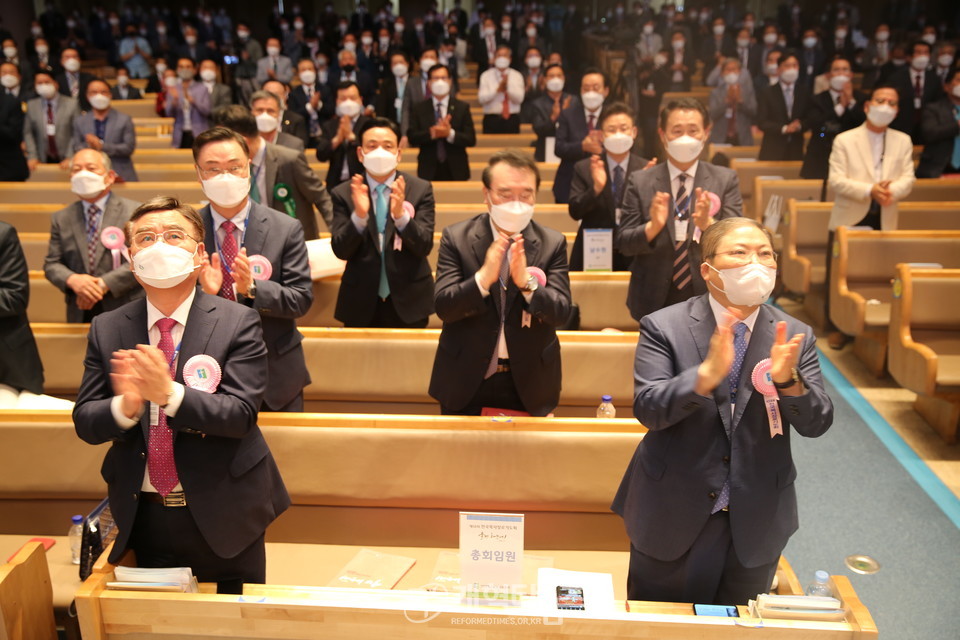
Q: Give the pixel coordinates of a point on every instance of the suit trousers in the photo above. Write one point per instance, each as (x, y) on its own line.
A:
(169, 537)
(294, 406)
(498, 391)
(494, 123)
(708, 573)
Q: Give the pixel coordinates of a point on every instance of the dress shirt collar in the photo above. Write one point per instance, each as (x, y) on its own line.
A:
(240, 219)
(613, 164)
(675, 172)
(373, 184)
(445, 101)
(101, 203)
(180, 314)
(258, 157)
(718, 311)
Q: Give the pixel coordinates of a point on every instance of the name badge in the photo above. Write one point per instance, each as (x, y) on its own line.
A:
(617, 213)
(680, 230)
(598, 249)
(917, 102)
(398, 103)
(51, 130)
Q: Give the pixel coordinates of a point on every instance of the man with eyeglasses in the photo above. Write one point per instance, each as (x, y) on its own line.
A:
(257, 257)
(502, 290)
(93, 276)
(174, 384)
(708, 500)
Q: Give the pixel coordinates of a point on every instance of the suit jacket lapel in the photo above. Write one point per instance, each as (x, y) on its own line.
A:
(270, 177)
(200, 325)
(256, 232)
(761, 339)
(531, 248)
(665, 184)
(77, 222)
(702, 328)
(481, 236)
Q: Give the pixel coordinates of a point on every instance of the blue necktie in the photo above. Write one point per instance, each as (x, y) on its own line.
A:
(380, 210)
(617, 183)
(733, 380)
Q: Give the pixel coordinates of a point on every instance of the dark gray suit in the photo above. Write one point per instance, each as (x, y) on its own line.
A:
(285, 166)
(20, 365)
(694, 445)
(35, 127)
(119, 141)
(67, 255)
(744, 114)
(940, 130)
(282, 299)
(652, 266)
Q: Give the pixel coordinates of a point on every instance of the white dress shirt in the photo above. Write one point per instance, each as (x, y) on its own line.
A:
(489, 96)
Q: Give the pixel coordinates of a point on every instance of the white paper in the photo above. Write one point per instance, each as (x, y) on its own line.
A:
(598, 249)
(550, 150)
(51, 130)
(773, 213)
(491, 558)
(323, 262)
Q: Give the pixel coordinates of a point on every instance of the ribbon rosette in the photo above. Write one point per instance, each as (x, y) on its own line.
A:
(113, 239)
(260, 267)
(763, 383)
(714, 210)
(202, 372)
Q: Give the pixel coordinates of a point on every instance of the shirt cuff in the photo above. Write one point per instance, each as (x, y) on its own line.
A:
(176, 398)
(401, 222)
(527, 296)
(451, 136)
(783, 129)
(869, 191)
(483, 292)
(358, 222)
(123, 421)
(839, 109)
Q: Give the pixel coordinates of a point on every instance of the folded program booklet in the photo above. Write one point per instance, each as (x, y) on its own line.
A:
(797, 607)
(371, 569)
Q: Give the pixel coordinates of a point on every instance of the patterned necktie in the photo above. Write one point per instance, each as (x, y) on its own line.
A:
(441, 143)
(228, 253)
(681, 251)
(160, 462)
(92, 225)
(788, 99)
(506, 100)
(380, 211)
(501, 286)
(733, 381)
(618, 175)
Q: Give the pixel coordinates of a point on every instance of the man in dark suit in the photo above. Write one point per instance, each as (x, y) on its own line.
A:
(311, 100)
(122, 90)
(347, 71)
(340, 138)
(781, 109)
(13, 164)
(599, 182)
(708, 500)
(838, 109)
(667, 207)
(291, 122)
(282, 179)
(393, 89)
(918, 86)
(20, 365)
(941, 130)
(93, 277)
(498, 348)
(546, 108)
(383, 227)
(72, 81)
(577, 134)
(811, 57)
(203, 492)
(237, 233)
(442, 127)
(719, 45)
(417, 88)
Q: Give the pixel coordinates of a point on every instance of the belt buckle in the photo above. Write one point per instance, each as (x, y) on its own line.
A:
(175, 499)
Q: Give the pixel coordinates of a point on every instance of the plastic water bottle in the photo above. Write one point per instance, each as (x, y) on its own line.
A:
(820, 585)
(606, 408)
(75, 535)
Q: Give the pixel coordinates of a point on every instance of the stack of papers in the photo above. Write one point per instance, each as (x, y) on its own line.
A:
(176, 579)
(797, 607)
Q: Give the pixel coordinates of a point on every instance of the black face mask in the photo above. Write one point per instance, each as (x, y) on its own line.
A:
(348, 68)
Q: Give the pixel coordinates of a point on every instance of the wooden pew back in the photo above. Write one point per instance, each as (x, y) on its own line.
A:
(26, 596)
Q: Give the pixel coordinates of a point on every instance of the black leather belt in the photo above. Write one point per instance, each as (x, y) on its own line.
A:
(172, 499)
(503, 365)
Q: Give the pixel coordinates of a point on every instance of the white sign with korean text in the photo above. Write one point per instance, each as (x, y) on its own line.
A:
(491, 558)
(598, 249)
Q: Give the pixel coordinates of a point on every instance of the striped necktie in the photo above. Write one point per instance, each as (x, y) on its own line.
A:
(681, 249)
(93, 224)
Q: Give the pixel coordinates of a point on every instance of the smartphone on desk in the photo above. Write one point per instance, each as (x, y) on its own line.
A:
(570, 598)
(717, 610)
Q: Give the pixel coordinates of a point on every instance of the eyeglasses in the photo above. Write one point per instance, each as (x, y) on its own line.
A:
(172, 237)
(238, 171)
(741, 257)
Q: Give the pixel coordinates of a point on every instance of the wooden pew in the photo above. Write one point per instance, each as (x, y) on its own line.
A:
(803, 266)
(863, 265)
(162, 140)
(26, 597)
(925, 343)
(733, 152)
(748, 170)
(164, 153)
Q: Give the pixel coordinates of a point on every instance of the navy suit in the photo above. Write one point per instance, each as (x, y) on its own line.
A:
(280, 300)
(572, 128)
(20, 365)
(693, 444)
(232, 485)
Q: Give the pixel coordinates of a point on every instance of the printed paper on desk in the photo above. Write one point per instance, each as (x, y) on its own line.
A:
(598, 249)
(371, 569)
(550, 150)
(323, 262)
(491, 558)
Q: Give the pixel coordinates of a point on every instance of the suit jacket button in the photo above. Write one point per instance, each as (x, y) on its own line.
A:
(712, 495)
(142, 455)
(726, 459)
(135, 496)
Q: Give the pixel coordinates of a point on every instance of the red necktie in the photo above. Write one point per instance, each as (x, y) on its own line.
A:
(160, 462)
(228, 253)
(592, 123)
(917, 87)
(506, 102)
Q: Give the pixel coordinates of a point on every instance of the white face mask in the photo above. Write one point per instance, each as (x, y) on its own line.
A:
(772, 69)
(208, 75)
(170, 81)
(440, 88)
(163, 266)
(160, 67)
(592, 100)
(749, 285)
(308, 77)
(349, 108)
(678, 44)
(534, 62)
(790, 75)
(190, 40)
(9, 52)
(883, 36)
(684, 149)
(743, 42)
(809, 43)
(512, 217)
(920, 62)
(273, 51)
(226, 190)
(487, 31)
(929, 38)
(501, 62)
(555, 84)
(426, 64)
(837, 83)
(770, 38)
(99, 101)
(880, 115)
(366, 40)
(350, 46)
(731, 78)
(618, 143)
(384, 43)
(400, 70)
(647, 29)
(243, 35)
(42, 49)
(945, 59)
(266, 123)
(9, 81)
(185, 74)
(749, 25)
(72, 65)
(841, 34)
(123, 81)
(718, 29)
(87, 184)
(46, 90)
(380, 162)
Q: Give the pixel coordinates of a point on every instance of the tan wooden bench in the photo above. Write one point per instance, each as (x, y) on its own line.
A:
(864, 264)
(925, 343)
(749, 170)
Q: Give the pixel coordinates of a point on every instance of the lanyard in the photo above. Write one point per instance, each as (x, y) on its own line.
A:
(176, 352)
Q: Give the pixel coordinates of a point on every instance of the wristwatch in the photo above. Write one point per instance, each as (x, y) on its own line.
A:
(251, 291)
(532, 285)
(795, 378)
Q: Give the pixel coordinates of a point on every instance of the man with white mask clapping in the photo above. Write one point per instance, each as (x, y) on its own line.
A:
(383, 222)
(666, 208)
(339, 139)
(94, 276)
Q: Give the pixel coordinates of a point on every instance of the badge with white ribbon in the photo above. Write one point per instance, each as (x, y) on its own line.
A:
(112, 238)
(260, 267)
(763, 383)
(202, 372)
